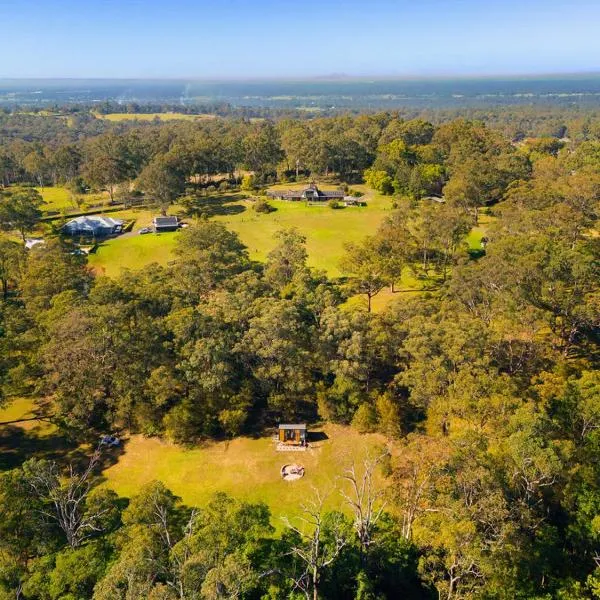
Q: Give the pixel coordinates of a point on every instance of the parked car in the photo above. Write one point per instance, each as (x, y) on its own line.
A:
(145, 230)
(110, 440)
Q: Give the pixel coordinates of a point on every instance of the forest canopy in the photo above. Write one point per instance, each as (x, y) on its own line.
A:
(485, 386)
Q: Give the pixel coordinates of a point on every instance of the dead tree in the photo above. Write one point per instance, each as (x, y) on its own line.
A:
(178, 559)
(314, 552)
(365, 499)
(64, 501)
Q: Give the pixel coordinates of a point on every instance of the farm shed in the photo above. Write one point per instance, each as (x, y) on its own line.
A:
(165, 224)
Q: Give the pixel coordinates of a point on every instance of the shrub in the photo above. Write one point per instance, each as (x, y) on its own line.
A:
(355, 193)
(261, 206)
(76, 185)
(232, 421)
(325, 407)
(379, 180)
(388, 416)
(385, 465)
(182, 424)
(365, 418)
(248, 182)
(334, 204)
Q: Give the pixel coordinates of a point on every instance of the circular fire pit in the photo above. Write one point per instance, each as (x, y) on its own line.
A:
(292, 472)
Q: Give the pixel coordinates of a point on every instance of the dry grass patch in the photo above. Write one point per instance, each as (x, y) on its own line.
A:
(116, 117)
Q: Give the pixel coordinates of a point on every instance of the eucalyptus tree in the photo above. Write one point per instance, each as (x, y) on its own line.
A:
(20, 210)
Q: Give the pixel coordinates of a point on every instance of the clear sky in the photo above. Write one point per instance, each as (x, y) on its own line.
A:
(300, 38)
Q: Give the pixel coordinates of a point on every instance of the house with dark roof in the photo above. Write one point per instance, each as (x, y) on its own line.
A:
(311, 194)
(93, 226)
(165, 224)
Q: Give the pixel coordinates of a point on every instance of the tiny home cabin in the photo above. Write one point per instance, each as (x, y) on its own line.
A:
(293, 435)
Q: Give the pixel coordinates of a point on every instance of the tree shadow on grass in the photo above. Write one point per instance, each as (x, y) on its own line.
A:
(212, 206)
(18, 445)
(316, 436)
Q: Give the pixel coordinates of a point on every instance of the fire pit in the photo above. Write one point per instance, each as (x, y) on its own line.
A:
(292, 472)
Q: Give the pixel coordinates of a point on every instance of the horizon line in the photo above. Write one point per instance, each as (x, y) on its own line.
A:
(326, 77)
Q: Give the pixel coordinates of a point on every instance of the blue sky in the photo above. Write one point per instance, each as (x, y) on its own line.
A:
(267, 38)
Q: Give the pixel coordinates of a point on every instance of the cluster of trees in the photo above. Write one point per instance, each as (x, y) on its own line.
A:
(426, 241)
(474, 165)
(486, 386)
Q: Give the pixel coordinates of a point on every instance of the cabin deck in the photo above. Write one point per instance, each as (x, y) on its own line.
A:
(281, 447)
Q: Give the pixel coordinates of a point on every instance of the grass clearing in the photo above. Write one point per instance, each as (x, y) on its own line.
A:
(247, 468)
(23, 408)
(117, 117)
(480, 231)
(326, 229)
(56, 198)
(474, 238)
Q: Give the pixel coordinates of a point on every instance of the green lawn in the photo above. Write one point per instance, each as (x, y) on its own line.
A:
(326, 229)
(476, 234)
(133, 252)
(19, 408)
(59, 198)
(474, 238)
(247, 468)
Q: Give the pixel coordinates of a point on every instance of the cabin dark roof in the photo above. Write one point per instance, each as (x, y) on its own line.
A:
(331, 193)
(291, 426)
(166, 221)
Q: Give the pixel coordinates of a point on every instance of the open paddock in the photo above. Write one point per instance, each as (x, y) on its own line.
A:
(117, 117)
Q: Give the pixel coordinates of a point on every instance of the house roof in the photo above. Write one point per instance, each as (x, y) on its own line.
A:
(165, 221)
(93, 223)
(331, 194)
(300, 193)
(292, 426)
